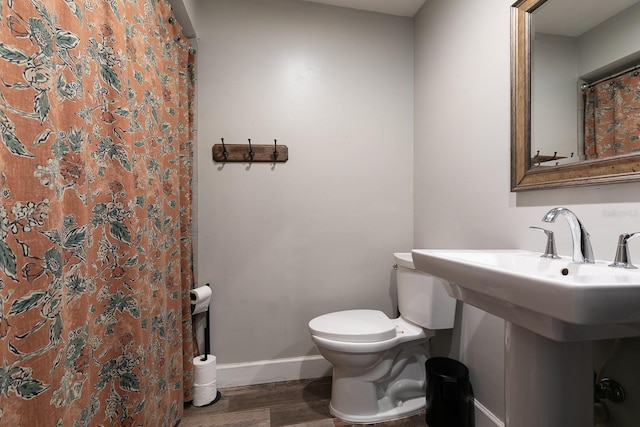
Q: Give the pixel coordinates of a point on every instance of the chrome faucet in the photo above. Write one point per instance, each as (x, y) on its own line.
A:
(582, 251)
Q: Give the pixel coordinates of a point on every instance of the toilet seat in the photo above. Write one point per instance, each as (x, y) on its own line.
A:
(356, 326)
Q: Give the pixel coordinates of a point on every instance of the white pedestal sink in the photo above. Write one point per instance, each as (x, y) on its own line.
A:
(554, 309)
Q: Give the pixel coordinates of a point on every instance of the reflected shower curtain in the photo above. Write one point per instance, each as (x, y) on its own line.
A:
(612, 117)
(95, 213)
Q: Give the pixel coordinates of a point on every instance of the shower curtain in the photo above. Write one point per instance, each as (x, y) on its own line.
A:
(612, 117)
(95, 213)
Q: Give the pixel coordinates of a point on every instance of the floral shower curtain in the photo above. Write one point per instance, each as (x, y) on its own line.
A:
(95, 211)
(612, 117)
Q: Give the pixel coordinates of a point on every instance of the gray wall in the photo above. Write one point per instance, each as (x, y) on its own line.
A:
(461, 161)
(608, 42)
(461, 179)
(555, 118)
(282, 244)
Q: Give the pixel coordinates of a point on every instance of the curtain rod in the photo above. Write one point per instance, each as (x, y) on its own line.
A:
(586, 86)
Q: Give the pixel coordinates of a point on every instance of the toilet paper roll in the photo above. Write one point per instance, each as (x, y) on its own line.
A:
(204, 394)
(200, 298)
(204, 371)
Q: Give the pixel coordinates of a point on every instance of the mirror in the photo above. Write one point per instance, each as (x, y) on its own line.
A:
(552, 74)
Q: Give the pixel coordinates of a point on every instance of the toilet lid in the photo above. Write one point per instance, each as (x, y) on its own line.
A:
(354, 326)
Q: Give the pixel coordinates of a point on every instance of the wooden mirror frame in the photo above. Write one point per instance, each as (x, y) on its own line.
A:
(523, 177)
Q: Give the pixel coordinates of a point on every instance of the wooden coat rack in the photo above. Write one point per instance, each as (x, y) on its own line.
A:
(250, 153)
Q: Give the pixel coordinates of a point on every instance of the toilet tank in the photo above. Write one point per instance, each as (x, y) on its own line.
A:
(422, 299)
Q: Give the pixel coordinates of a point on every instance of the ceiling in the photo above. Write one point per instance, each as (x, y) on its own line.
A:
(390, 7)
(573, 17)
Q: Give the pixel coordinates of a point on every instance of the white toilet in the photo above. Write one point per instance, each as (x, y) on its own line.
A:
(379, 363)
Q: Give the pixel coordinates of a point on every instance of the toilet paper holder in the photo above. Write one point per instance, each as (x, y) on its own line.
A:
(205, 390)
(207, 339)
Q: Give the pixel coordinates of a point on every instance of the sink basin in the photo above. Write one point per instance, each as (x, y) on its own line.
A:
(556, 298)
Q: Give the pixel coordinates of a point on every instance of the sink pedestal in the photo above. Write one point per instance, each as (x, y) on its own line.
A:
(547, 383)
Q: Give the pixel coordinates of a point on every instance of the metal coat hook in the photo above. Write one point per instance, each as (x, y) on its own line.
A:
(538, 159)
(225, 153)
(251, 153)
(275, 149)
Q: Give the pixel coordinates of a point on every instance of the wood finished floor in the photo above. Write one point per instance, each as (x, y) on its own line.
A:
(303, 403)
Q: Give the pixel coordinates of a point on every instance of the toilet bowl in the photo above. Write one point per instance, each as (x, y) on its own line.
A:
(379, 363)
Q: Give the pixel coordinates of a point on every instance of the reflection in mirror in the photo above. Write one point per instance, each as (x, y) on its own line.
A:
(612, 115)
(575, 92)
(584, 75)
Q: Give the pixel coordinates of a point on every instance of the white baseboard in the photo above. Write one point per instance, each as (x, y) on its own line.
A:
(268, 371)
(486, 418)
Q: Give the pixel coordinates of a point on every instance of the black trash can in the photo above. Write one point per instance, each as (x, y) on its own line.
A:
(449, 394)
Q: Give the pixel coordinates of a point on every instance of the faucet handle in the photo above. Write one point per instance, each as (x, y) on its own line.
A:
(550, 250)
(623, 258)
